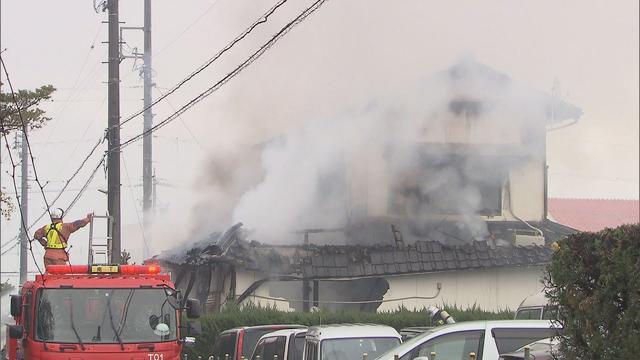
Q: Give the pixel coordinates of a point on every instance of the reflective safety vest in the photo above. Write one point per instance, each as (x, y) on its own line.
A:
(55, 240)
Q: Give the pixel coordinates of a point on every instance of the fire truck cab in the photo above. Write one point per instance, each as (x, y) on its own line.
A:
(96, 312)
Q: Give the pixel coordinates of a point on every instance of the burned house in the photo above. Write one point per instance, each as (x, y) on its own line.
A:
(455, 212)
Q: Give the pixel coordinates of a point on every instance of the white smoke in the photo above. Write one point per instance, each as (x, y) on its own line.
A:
(310, 173)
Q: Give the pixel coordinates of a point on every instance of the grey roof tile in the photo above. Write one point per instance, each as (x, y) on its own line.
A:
(400, 257)
(387, 258)
(378, 269)
(341, 260)
(415, 267)
(414, 256)
(376, 258)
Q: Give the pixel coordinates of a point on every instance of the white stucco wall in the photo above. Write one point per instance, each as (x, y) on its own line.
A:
(527, 191)
(492, 289)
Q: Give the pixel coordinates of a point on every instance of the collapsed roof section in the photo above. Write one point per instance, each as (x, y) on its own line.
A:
(312, 261)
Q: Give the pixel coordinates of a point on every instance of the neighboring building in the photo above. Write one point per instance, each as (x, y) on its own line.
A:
(471, 215)
(594, 214)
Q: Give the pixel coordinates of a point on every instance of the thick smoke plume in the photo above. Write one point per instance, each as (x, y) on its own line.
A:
(387, 157)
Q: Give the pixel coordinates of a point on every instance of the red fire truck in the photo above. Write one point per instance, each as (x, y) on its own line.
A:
(100, 312)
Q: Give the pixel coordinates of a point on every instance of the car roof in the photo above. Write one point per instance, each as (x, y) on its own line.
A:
(351, 331)
(285, 332)
(275, 327)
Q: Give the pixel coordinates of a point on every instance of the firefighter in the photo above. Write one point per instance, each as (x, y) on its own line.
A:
(55, 236)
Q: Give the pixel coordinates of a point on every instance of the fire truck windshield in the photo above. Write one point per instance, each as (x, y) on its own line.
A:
(105, 315)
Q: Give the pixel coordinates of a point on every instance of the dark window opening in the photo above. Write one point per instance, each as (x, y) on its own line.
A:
(450, 185)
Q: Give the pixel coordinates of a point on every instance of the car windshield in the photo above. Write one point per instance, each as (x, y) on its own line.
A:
(347, 349)
(250, 339)
(106, 315)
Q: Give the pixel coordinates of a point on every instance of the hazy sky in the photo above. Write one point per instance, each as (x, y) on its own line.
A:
(346, 52)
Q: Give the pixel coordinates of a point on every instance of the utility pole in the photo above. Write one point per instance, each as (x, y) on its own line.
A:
(147, 144)
(113, 158)
(24, 205)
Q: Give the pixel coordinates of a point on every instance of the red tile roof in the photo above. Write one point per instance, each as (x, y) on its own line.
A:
(594, 214)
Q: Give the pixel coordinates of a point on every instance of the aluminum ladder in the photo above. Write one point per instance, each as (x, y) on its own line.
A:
(100, 247)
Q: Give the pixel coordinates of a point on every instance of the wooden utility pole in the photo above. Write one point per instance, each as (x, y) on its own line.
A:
(113, 159)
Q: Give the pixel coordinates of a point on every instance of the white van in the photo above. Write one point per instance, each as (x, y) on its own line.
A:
(349, 341)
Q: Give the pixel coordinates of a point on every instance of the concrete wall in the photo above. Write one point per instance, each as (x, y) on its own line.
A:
(492, 289)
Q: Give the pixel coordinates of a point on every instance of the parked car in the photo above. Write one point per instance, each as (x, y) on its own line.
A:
(544, 349)
(240, 342)
(536, 307)
(487, 339)
(286, 344)
(349, 341)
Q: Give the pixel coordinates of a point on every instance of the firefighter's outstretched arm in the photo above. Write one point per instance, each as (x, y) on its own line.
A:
(79, 224)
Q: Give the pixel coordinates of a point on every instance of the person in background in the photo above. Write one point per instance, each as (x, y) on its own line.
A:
(55, 236)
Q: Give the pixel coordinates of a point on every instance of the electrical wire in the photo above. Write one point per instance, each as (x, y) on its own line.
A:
(266, 46)
(13, 164)
(193, 23)
(135, 206)
(11, 248)
(24, 132)
(193, 136)
(263, 19)
(86, 185)
(64, 188)
(76, 83)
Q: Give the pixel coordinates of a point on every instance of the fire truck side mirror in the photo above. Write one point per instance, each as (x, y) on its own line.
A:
(16, 331)
(194, 309)
(16, 305)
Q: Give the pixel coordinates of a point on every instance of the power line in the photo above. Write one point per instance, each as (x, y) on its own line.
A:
(26, 137)
(64, 187)
(76, 83)
(86, 184)
(13, 164)
(263, 19)
(135, 205)
(266, 46)
(11, 248)
(193, 136)
(202, 15)
(47, 205)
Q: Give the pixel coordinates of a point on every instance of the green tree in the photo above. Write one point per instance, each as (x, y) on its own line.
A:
(595, 278)
(26, 103)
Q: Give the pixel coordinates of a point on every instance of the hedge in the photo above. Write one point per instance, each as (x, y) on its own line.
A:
(249, 315)
(595, 278)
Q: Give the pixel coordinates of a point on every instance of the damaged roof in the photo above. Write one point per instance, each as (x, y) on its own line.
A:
(421, 257)
(353, 261)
